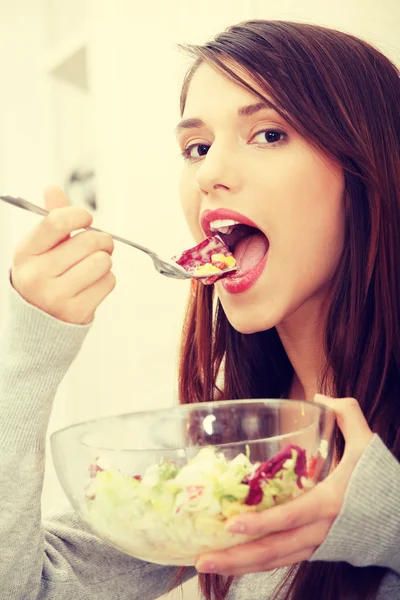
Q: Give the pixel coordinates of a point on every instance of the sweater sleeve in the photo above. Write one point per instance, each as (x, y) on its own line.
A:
(59, 558)
(367, 530)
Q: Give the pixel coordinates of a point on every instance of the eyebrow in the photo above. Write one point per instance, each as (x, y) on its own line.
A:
(243, 111)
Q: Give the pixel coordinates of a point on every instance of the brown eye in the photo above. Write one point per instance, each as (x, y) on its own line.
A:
(270, 136)
(195, 151)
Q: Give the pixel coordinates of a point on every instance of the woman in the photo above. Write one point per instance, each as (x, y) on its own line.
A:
(297, 129)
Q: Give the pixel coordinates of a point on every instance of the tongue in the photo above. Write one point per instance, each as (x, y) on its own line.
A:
(250, 251)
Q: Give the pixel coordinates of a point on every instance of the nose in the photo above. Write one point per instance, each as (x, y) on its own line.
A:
(218, 171)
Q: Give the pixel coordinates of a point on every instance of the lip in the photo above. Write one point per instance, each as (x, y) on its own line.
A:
(223, 213)
(234, 284)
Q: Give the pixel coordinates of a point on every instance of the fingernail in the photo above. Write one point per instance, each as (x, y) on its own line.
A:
(237, 528)
(205, 567)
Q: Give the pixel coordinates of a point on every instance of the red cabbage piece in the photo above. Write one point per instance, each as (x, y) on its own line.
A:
(201, 255)
(94, 468)
(268, 470)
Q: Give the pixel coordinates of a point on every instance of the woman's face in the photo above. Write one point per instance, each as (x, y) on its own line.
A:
(250, 161)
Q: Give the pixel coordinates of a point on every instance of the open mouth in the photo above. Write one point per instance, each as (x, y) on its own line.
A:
(247, 243)
(230, 243)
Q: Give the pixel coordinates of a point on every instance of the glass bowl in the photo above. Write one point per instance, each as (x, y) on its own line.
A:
(160, 485)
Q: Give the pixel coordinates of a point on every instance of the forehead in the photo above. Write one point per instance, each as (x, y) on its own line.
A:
(210, 89)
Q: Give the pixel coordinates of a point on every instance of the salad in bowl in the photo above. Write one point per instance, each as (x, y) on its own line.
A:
(161, 485)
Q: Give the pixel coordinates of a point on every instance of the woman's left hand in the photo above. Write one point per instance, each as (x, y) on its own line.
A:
(293, 531)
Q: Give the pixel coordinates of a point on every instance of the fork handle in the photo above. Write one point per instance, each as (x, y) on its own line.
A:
(124, 241)
(30, 207)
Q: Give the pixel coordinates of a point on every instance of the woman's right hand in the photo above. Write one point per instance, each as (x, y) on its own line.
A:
(66, 277)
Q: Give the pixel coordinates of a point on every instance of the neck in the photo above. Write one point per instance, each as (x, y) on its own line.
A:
(302, 337)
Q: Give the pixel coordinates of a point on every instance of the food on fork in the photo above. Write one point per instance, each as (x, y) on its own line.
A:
(238, 245)
(212, 256)
(219, 262)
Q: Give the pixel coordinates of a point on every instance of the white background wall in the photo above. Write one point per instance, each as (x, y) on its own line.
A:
(123, 126)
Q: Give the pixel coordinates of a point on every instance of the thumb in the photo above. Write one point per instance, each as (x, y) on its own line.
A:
(350, 419)
(54, 197)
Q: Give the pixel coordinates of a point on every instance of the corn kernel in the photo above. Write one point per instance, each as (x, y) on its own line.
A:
(230, 261)
(218, 258)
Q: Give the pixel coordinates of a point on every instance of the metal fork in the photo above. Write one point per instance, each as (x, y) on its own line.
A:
(165, 268)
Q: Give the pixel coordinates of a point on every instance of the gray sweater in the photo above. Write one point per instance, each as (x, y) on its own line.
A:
(57, 558)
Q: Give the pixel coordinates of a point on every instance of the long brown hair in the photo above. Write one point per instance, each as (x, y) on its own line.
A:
(342, 95)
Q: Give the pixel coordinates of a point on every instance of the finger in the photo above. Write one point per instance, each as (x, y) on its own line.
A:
(84, 274)
(290, 559)
(318, 503)
(269, 548)
(87, 301)
(59, 224)
(350, 419)
(54, 197)
(54, 228)
(61, 258)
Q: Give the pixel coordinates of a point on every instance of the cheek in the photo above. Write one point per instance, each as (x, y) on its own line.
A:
(314, 244)
(312, 219)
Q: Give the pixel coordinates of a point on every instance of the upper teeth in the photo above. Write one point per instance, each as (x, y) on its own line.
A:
(223, 225)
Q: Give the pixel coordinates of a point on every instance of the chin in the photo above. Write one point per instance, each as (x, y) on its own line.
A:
(257, 309)
(248, 321)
